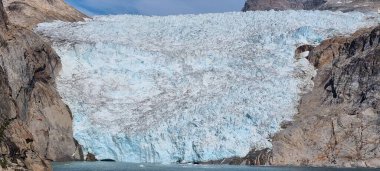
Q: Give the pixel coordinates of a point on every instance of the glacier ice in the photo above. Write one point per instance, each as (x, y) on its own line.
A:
(190, 87)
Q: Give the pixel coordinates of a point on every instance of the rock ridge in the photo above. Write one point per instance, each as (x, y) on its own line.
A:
(28, 13)
(338, 121)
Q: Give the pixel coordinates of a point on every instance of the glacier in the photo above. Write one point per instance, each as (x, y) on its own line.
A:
(190, 87)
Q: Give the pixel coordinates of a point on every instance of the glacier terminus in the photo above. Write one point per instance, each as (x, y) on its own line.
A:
(188, 88)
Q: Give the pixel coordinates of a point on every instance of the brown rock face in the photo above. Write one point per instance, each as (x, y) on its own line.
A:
(339, 121)
(335, 5)
(35, 125)
(28, 13)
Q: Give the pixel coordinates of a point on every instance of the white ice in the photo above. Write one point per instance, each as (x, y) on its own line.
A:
(188, 88)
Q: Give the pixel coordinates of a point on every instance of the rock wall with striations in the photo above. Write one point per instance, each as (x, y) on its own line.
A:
(35, 125)
(335, 5)
(339, 120)
(255, 5)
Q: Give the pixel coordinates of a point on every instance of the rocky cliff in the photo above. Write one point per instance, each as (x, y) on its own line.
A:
(338, 121)
(35, 125)
(339, 5)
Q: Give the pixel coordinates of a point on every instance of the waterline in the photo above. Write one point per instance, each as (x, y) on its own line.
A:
(119, 166)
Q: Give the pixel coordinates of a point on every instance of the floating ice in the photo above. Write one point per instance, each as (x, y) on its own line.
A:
(191, 87)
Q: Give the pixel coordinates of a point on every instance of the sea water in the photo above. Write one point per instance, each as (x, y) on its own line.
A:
(119, 166)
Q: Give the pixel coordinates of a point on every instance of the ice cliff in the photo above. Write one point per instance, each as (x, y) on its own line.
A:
(191, 87)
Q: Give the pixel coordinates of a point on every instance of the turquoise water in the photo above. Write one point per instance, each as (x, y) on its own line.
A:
(116, 166)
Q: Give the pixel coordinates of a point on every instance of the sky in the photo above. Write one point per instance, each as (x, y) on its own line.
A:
(155, 7)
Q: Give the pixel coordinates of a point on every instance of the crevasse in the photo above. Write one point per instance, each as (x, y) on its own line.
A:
(191, 87)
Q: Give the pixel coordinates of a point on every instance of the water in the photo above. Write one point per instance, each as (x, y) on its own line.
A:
(117, 166)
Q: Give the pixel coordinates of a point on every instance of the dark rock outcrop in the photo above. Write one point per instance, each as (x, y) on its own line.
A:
(335, 5)
(91, 157)
(35, 125)
(339, 120)
(254, 158)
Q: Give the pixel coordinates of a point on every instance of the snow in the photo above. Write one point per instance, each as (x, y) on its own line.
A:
(190, 87)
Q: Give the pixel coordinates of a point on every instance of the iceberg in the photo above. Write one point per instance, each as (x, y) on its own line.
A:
(190, 87)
